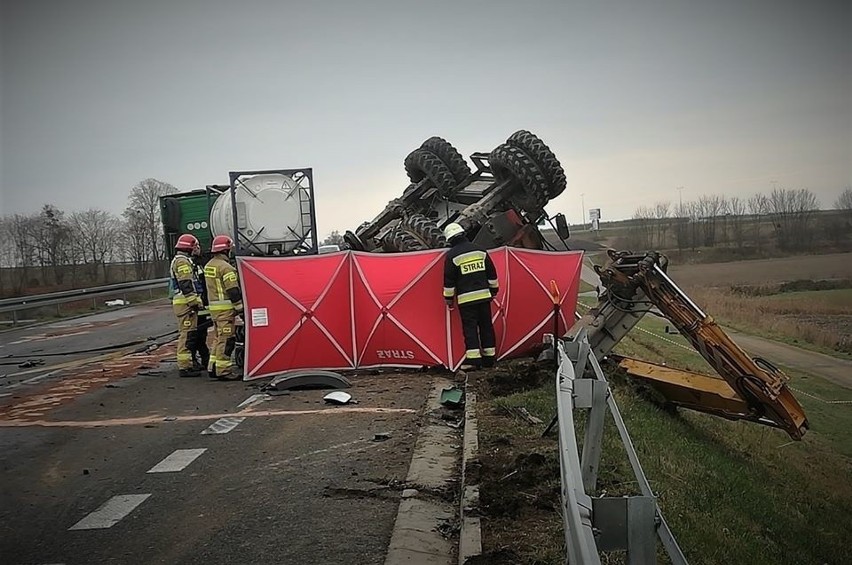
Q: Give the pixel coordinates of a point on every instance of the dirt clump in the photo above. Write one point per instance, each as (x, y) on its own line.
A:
(517, 377)
(501, 556)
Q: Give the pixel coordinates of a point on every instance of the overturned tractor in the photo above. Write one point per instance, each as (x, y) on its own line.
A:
(500, 203)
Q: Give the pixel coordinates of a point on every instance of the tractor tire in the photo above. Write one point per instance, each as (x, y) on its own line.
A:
(508, 162)
(421, 164)
(425, 230)
(541, 154)
(399, 240)
(449, 155)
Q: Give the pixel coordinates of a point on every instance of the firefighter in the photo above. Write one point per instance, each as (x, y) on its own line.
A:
(470, 278)
(225, 302)
(198, 348)
(186, 301)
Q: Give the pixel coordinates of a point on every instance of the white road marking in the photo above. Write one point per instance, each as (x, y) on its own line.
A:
(29, 381)
(222, 426)
(111, 512)
(177, 461)
(253, 399)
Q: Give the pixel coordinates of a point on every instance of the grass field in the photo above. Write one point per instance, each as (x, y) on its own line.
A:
(820, 319)
(732, 492)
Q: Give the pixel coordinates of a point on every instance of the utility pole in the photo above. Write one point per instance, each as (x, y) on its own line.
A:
(583, 206)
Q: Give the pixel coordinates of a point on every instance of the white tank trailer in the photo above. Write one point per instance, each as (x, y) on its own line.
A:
(274, 213)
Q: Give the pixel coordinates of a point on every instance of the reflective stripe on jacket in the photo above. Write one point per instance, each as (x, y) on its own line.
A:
(184, 280)
(469, 273)
(223, 289)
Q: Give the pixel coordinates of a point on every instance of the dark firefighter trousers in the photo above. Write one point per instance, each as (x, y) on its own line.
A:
(479, 342)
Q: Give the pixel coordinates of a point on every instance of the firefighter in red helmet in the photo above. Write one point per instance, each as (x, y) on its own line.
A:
(186, 301)
(225, 302)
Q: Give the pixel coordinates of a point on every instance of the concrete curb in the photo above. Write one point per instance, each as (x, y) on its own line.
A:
(416, 539)
(470, 533)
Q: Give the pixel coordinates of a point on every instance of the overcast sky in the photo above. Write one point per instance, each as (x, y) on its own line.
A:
(635, 98)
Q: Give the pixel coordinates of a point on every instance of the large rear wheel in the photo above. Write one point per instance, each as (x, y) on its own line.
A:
(399, 240)
(425, 230)
(449, 155)
(510, 163)
(421, 164)
(541, 154)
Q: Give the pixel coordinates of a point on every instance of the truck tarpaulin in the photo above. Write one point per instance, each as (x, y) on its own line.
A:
(350, 309)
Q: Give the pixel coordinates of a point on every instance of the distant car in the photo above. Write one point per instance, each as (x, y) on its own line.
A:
(328, 249)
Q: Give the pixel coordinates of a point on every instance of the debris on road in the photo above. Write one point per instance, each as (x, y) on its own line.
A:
(452, 397)
(523, 414)
(339, 397)
(117, 302)
(381, 436)
(307, 379)
(31, 363)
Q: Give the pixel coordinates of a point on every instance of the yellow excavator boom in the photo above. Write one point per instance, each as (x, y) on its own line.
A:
(753, 389)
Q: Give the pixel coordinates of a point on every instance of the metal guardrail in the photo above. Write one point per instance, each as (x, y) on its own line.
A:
(593, 524)
(15, 305)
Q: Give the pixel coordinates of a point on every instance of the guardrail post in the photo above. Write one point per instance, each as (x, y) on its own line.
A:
(14, 318)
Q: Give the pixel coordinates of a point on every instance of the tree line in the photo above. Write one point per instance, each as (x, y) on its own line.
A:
(55, 248)
(784, 218)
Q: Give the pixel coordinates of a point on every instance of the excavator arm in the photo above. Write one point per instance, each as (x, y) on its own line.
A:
(751, 388)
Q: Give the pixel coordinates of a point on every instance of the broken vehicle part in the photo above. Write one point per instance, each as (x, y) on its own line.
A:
(338, 397)
(304, 379)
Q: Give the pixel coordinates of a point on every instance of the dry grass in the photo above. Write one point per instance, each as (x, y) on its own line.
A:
(821, 318)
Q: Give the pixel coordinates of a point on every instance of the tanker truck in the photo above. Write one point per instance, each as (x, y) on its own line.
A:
(267, 213)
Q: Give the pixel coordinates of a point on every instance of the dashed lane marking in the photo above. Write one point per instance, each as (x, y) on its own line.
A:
(111, 512)
(177, 461)
(222, 426)
(253, 399)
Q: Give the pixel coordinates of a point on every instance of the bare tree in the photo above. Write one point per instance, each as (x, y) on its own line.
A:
(137, 243)
(737, 208)
(792, 214)
(682, 224)
(20, 231)
(710, 208)
(758, 206)
(641, 233)
(844, 201)
(144, 205)
(97, 232)
(52, 238)
(661, 215)
(334, 238)
(7, 252)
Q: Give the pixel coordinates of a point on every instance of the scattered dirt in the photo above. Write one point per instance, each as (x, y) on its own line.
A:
(496, 557)
(519, 376)
(517, 473)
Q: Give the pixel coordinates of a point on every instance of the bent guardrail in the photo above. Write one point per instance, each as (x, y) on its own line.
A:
(21, 303)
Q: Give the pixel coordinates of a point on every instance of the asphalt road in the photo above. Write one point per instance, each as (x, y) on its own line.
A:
(293, 481)
(56, 344)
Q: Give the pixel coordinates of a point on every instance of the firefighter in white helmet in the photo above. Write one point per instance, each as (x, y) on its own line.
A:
(186, 301)
(471, 279)
(225, 301)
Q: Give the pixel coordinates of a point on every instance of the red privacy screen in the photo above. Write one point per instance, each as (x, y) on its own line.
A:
(351, 309)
